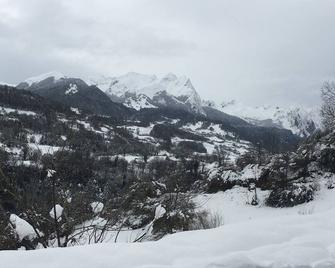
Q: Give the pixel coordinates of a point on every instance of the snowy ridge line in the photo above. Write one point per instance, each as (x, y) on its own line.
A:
(36, 79)
(140, 91)
(302, 121)
(150, 86)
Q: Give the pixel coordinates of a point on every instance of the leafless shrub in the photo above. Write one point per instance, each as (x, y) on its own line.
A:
(207, 220)
(328, 105)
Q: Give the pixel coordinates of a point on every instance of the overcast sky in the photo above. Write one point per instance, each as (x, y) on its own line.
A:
(255, 51)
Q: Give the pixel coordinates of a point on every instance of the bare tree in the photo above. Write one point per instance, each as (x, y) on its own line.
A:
(220, 154)
(328, 105)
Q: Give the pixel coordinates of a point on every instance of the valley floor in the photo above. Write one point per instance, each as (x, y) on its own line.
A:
(302, 236)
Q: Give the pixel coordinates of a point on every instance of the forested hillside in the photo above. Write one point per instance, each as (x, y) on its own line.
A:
(72, 177)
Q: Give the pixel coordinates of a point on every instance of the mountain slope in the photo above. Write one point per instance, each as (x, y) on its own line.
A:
(272, 138)
(301, 121)
(138, 91)
(170, 91)
(46, 78)
(24, 100)
(251, 235)
(162, 98)
(73, 92)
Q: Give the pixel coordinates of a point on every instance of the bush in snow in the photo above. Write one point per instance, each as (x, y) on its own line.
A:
(161, 167)
(331, 182)
(186, 148)
(206, 220)
(328, 105)
(25, 234)
(327, 159)
(179, 215)
(220, 179)
(8, 238)
(246, 159)
(218, 184)
(4, 156)
(291, 195)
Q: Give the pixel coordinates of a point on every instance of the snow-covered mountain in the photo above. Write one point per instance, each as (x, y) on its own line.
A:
(148, 91)
(49, 77)
(301, 121)
(6, 84)
(248, 228)
(73, 92)
(139, 91)
(134, 90)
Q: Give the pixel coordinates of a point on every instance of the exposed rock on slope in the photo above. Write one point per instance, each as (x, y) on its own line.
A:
(170, 91)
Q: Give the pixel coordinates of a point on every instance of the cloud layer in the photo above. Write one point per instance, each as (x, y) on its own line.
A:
(260, 51)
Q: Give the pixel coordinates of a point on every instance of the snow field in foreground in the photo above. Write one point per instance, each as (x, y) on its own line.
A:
(303, 236)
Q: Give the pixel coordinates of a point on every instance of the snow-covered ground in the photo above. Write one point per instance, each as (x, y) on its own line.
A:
(5, 110)
(252, 236)
(139, 102)
(44, 149)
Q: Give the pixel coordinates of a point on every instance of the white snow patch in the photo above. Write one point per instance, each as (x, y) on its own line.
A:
(36, 137)
(59, 212)
(97, 207)
(75, 110)
(44, 149)
(140, 131)
(139, 102)
(73, 89)
(22, 228)
(251, 172)
(4, 110)
(159, 212)
(50, 173)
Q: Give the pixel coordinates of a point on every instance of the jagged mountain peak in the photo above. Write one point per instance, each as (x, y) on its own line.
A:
(169, 90)
(178, 86)
(131, 82)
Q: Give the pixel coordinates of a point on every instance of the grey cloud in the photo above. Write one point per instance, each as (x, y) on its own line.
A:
(259, 51)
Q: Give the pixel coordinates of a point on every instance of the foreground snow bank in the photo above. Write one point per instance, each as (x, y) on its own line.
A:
(289, 238)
